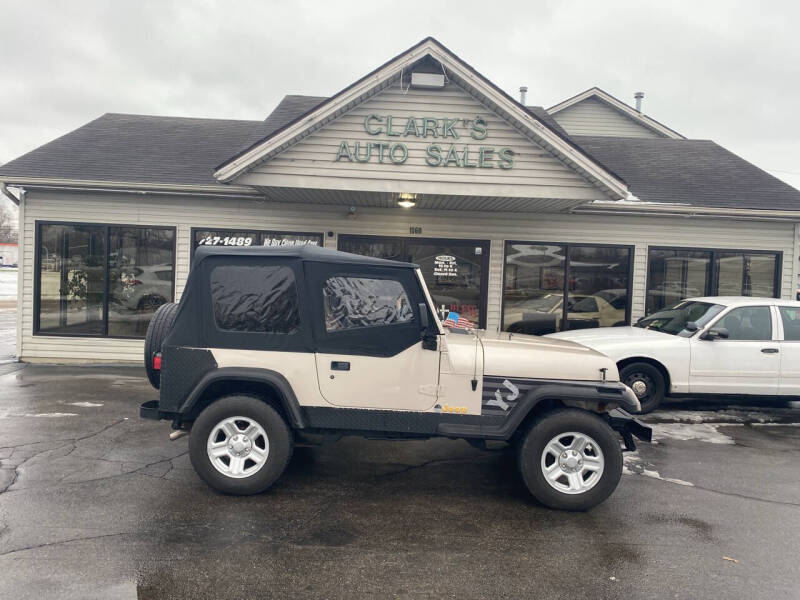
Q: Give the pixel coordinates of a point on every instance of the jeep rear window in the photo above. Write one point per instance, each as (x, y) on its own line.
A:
(354, 302)
(258, 299)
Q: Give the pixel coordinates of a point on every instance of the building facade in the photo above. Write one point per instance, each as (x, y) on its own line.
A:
(587, 214)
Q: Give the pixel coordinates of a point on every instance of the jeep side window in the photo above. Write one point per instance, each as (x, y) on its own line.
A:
(260, 299)
(355, 302)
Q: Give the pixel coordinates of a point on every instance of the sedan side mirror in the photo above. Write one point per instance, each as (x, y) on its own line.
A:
(716, 333)
(691, 326)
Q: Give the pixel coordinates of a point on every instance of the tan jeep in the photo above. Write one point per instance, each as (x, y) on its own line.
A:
(272, 344)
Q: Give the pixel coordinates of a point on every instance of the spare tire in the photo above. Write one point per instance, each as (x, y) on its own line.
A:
(158, 329)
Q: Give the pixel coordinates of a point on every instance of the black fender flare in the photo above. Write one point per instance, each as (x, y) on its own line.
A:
(585, 395)
(267, 377)
(612, 395)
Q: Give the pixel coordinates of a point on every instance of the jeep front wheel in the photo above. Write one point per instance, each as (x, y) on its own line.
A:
(240, 445)
(570, 460)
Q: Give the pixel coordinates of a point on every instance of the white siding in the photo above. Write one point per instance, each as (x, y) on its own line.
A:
(185, 213)
(593, 117)
(311, 162)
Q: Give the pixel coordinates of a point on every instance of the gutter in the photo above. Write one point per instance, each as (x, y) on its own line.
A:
(130, 187)
(686, 211)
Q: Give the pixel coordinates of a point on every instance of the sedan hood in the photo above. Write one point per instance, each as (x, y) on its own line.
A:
(623, 342)
(609, 334)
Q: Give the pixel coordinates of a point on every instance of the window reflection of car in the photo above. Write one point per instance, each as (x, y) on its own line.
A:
(540, 316)
(143, 289)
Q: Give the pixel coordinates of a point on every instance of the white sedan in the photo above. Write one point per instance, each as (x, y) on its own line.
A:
(715, 345)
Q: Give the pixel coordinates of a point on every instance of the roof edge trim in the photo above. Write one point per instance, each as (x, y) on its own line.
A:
(131, 187)
(585, 163)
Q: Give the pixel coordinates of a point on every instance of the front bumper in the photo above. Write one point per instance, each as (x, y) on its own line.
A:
(629, 427)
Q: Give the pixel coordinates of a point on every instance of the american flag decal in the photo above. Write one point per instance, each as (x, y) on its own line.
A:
(456, 321)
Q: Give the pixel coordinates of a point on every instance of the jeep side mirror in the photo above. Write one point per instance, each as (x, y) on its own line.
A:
(428, 338)
(423, 316)
(716, 333)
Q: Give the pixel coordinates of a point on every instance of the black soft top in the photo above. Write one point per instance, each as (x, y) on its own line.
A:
(305, 252)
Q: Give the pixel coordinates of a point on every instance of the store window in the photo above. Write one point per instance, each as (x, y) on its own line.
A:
(102, 280)
(552, 287)
(677, 273)
(241, 237)
(455, 271)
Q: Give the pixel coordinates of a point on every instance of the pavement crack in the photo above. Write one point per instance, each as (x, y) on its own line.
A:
(427, 463)
(722, 493)
(69, 541)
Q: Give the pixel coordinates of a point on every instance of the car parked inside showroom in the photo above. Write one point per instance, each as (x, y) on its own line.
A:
(732, 345)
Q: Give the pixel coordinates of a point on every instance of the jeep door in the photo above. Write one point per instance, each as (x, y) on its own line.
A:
(368, 336)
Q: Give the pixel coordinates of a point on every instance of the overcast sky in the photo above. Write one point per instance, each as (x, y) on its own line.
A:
(720, 70)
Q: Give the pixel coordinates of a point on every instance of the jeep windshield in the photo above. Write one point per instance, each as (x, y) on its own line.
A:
(673, 319)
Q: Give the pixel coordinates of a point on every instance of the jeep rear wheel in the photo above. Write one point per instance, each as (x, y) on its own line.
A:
(570, 460)
(240, 445)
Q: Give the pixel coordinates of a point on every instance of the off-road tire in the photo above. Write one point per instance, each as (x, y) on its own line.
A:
(542, 431)
(157, 330)
(281, 444)
(653, 380)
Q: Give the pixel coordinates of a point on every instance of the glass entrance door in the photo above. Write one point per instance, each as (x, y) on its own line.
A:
(455, 271)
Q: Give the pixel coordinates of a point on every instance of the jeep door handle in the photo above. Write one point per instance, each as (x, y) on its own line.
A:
(769, 350)
(340, 365)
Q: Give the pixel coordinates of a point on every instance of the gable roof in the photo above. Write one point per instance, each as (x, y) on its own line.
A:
(454, 68)
(692, 172)
(619, 106)
(136, 151)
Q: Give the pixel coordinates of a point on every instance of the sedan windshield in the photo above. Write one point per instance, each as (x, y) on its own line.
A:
(673, 319)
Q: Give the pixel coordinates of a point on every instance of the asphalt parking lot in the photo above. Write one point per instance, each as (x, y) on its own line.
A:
(95, 503)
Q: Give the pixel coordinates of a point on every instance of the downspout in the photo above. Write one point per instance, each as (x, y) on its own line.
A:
(20, 202)
(7, 193)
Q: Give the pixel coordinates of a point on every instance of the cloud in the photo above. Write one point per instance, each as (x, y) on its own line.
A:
(722, 70)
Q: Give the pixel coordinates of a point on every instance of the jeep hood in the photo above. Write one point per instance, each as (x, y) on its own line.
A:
(530, 356)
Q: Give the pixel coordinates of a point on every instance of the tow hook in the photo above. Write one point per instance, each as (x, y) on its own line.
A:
(177, 434)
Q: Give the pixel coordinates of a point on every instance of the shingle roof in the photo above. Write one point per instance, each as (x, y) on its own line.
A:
(137, 149)
(183, 151)
(544, 116)
(288, 109)
(696, 172)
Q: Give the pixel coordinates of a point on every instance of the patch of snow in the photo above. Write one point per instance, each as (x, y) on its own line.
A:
(775, 424)
(634, 465)
(704, 432)
(85, 404)
(36, 415)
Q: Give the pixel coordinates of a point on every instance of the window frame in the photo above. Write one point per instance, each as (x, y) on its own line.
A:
(780, 326)
(486, 249)
(772, 321)
(712, 285)
(565, 288)
(194, 230)
(37, 275)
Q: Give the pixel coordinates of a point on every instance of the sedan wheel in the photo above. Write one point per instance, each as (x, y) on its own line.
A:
(647, 383)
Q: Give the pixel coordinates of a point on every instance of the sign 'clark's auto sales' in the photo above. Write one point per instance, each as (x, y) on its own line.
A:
(445, 151)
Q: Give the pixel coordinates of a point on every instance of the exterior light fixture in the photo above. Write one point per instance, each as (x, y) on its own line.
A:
(407, 200)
